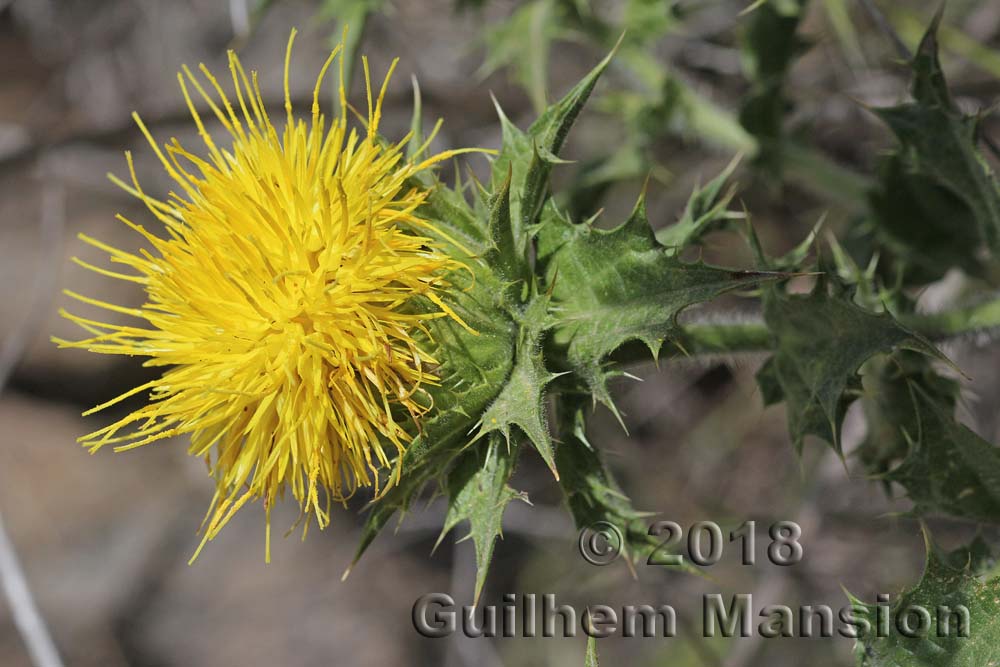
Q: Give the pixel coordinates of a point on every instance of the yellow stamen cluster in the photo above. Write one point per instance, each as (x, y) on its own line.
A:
(277, 301)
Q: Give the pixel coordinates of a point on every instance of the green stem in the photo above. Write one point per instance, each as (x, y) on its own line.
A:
(981, 317)
(706, 339)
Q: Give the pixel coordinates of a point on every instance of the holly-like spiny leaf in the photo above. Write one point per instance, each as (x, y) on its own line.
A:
(926, 226)
(495, 363)
(610, 287)
(503, 255)
(528, 157)
(820, 341)
(706, 208)
(939, 143)
(478, 492)
(961, 612)
(948, 467)
(521, 402)
(890, 408)
(591, 493)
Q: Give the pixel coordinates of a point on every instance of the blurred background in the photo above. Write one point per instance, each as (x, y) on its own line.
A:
(105, 539)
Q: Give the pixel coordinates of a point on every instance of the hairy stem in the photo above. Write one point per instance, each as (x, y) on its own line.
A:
(983, 317)
(748, 334)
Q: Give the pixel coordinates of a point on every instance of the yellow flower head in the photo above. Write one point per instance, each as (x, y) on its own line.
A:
(277, 298)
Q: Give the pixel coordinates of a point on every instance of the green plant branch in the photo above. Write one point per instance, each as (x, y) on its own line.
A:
(707, 338)
(747, 334)
(983, 317)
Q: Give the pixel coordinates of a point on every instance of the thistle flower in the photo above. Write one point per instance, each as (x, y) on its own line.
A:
(279, 300)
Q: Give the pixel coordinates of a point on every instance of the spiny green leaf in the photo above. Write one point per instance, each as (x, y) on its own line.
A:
(948, 467)
(552, 127)
(939, 141)
(820, 342)
(529, 156)
(521, 401)
(943, 588)
(890, 409)
(503, 256)
(480, 371)
(705, 209)
(612, 287)
(478, 493)
(591, 493)
(927, 227)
